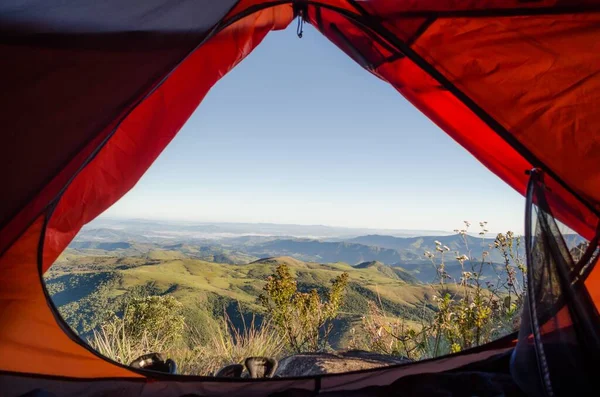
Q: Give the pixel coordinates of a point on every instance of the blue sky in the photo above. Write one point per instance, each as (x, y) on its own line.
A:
(298, 133)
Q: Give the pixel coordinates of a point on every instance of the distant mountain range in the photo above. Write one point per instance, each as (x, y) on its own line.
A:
(376, 250)
(170, 229)
(129, 238)
(463, 244)
(325, 252)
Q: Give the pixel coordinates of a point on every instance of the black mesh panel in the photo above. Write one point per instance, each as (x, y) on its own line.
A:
(558, 349)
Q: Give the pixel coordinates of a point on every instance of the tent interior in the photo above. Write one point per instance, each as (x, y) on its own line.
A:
(94, 91)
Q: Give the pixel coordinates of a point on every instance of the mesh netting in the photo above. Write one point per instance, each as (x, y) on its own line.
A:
(559, 340)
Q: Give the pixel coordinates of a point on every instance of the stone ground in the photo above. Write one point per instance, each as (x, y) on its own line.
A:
(329, 363)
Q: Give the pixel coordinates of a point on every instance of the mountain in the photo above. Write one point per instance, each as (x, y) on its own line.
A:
(218, 230)
(109, 235)
(391, 272)
(413, 248)
(283, 260)
(211, 253)
(106, 246)
(320, 251)
(397, 252)
(406, 253)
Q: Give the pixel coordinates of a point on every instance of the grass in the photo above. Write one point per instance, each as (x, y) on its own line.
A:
(226, 345)
(113, 341)
(230, 345)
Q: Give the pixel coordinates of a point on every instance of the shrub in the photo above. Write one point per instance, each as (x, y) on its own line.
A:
(482, 305)
(303, 319)
(390, 335)
(150, 324)
(113, 341)
(154, 325)
(158, 317)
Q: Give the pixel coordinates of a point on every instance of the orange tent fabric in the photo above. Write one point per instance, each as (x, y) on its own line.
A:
(92, 96)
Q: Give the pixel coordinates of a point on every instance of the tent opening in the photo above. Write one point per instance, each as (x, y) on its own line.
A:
(198, 292)
(93, 95)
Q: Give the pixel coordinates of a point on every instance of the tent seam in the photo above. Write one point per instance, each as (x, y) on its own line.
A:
(490, 121)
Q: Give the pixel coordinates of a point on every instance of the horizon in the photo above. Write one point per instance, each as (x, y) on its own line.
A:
(471, 231)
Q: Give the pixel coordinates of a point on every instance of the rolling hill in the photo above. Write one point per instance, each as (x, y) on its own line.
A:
(84, 288)
(407, 253)
(388, 271)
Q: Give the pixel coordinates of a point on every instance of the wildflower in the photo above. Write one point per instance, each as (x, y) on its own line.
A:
(455, 348)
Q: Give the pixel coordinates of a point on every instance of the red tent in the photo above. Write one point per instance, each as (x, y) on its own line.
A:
(93, 91)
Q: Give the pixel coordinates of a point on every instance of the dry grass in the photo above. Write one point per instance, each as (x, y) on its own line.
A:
(227, 345)
(113, 341)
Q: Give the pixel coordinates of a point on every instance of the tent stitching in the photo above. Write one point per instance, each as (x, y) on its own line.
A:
(482, 114)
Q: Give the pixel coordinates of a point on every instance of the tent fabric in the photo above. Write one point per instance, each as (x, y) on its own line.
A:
(132, 148)
(507, 35)
(31, 340)
(70, 74)
(19, 384)
(93, 92)
(149, 128)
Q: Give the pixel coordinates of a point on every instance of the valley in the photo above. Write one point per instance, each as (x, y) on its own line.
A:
(218, 272)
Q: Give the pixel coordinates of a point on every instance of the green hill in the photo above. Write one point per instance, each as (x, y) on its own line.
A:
(84, 288)
(388, 271)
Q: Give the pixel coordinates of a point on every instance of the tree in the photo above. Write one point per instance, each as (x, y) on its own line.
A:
(303, 319)
(157, 317)
(151, 324)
